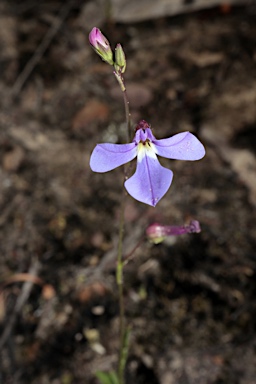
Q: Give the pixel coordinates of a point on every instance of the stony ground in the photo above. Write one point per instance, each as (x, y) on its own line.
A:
(191, 300)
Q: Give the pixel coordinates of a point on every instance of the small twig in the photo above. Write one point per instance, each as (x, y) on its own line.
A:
(129, 256)
(42, 47)
(24, 295)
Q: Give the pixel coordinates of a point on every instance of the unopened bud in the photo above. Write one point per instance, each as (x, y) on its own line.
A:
(120, 61)
(101, 45)
(157, 232)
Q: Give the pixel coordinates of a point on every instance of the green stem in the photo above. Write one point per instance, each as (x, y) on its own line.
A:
(119, 280)
(123, 333)
(120, 80)
(127, 115)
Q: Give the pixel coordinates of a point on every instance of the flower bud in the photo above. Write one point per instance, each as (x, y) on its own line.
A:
(156, 233)
(120, 61)
(101, 45)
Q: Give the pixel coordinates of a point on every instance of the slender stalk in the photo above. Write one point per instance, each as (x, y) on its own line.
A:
(119, 280)
(123, 332)
(120, 80)
(127, 115)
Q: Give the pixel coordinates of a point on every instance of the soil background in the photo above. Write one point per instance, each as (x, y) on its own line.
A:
(190, 301)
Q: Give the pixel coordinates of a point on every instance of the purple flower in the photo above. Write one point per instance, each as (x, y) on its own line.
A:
(150, 181)
(101, 45)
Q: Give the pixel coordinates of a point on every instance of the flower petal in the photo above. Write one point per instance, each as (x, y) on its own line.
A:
(106, 157)
(150, 181)
(183, 146)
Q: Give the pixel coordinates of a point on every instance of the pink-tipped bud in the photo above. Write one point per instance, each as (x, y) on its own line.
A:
(101, 45)
(120, 61)
(157, 232)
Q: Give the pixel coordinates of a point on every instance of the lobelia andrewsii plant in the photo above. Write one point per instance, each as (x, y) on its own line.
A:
(148, 184)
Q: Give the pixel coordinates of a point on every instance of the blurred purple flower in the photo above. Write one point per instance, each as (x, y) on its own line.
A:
(150, 181)
(157, 232)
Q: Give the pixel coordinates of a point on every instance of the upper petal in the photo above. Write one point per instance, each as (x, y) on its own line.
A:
(150, 181)
(143, 134)
(106, 157)
(183, 146)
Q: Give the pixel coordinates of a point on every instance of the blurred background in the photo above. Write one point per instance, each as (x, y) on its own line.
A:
(191, 65)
